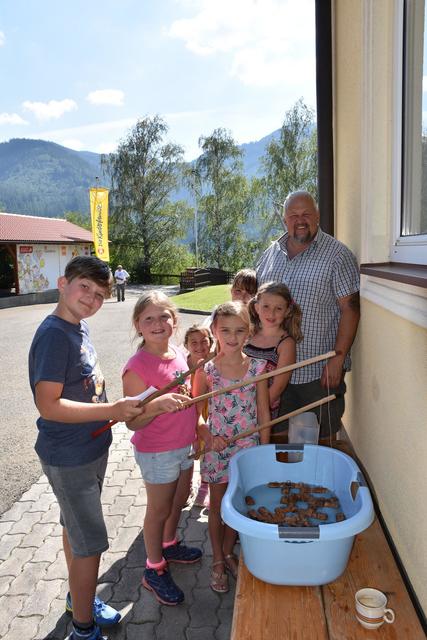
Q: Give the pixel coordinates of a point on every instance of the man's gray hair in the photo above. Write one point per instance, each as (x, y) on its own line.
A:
(298, 194)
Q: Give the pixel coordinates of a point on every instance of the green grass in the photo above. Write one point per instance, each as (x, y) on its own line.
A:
(203, 299)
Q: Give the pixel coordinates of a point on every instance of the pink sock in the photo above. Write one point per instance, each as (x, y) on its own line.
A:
(165, 545)
(156, 565)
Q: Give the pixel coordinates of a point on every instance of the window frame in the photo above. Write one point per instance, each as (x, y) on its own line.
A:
(410, 249)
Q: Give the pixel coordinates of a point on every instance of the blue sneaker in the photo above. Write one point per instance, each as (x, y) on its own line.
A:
(93, 635)
(161, 584)
(103, 614)
(180, 553)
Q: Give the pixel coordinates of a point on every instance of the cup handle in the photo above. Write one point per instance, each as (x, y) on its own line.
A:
(389, 615)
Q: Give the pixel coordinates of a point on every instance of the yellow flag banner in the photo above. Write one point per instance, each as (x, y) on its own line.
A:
(99, 214)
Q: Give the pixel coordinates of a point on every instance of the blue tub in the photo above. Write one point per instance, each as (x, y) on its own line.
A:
(285, 555)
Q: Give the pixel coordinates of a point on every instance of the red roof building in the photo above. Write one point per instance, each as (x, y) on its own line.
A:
(34, 252)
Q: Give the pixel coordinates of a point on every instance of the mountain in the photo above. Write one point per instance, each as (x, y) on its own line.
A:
(45, 179)
(42, 178)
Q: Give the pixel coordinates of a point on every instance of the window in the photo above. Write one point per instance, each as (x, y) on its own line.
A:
(409, 241)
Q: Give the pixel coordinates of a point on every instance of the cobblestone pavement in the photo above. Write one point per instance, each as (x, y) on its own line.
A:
(33, 576)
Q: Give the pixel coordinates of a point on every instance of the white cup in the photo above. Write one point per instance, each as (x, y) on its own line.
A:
(371, 609)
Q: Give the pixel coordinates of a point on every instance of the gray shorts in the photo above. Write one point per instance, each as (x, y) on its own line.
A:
(298, 395)
(165, 466)
(78, 491)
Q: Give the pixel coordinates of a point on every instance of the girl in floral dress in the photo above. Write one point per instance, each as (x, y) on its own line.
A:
(229, 414)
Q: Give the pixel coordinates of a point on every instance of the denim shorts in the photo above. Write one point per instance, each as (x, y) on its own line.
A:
(165, 466)
(78, 491)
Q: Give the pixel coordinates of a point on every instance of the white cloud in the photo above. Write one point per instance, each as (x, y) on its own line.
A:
(51, 110)
(11, 118)
(73, 143)
(2, 38)
(266, 39)
(424, 83)
(106, 147)
(113, 97)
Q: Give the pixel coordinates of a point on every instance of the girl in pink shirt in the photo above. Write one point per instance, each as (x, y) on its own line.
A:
(162, 442)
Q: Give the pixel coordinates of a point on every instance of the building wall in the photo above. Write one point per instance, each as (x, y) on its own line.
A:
(40, 265)
(386, 415)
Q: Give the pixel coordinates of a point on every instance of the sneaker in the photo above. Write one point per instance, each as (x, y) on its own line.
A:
(180, 553)
(94, 635)
(202, 495)
(103, 614)
(161, 584)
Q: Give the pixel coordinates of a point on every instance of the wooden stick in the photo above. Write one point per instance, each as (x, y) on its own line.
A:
(249, 432)
(160, 392)
(262, 376)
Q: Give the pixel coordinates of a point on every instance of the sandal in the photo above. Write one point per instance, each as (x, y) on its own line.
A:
(232, 564)
(219, 579)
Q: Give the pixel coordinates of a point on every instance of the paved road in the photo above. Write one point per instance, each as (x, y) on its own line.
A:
(112, 335)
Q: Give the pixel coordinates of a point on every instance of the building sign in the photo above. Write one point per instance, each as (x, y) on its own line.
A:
(25, 249)
(39, 266)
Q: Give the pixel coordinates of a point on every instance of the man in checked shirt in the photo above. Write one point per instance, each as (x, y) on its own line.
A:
(323, 277)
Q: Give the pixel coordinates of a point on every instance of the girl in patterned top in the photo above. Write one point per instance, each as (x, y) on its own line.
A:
(276, 320)
(229, 414)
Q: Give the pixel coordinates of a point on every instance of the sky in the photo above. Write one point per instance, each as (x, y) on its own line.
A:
(82, 72)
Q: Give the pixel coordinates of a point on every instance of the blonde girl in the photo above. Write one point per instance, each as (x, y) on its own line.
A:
(228, 414)
(162, 442)
(276, 321)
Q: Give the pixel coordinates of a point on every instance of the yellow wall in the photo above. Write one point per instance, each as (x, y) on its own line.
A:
(386, 415)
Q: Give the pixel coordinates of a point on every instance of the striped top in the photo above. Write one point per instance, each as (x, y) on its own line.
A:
(317, 278)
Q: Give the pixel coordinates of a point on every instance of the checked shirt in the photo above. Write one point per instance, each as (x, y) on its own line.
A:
(317, 277)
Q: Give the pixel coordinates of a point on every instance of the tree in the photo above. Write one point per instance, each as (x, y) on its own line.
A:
(78, 218)
(144, 224)
(290, 163)
(223, 199)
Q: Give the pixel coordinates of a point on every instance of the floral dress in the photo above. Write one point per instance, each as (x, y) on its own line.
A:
(229, 414)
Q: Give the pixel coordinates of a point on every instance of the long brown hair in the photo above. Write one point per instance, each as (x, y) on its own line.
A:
(292, 321)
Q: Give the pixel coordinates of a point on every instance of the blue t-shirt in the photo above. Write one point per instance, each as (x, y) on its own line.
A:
(62, 352)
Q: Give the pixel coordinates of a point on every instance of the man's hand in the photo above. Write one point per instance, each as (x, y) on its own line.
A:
(125, 409)
(332, 372)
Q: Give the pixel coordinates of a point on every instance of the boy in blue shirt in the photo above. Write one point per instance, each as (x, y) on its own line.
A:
(69, 393)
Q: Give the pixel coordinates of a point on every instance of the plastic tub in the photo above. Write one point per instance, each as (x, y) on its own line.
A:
(303, 428)
(285, 555)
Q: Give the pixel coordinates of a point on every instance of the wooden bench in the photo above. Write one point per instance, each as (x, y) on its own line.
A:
(268, 612)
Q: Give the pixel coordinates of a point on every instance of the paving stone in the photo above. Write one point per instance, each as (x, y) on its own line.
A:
(25, 524)
(11, 607)
(56, 625)
(113, 524)
(121, 505)
(48, 552)
(132, 487)
(136, 555)
(24, 583)
(207, 633)
(134, 517)
(116, 456)
(44, 502)
(13, 565)
(5, 527)
(111, 566)
(142, 632)
(15, 513)
(22, 628)
(4, 584)
(203, 611)
(8, 543)
(40, 600)
(225, 617)
(127, 588)
(57, 570)
(34, 492)
(146, 608)
(109, 494)
(194, 531)
(37, 535)
(118, 479)
(173, 618)
(51, 515)
(124, 539)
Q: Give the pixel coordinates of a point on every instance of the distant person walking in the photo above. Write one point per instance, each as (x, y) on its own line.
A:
(120, 277)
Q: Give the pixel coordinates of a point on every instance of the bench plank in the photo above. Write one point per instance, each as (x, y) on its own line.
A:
(371, 565)
(276, 612)
(270, 611)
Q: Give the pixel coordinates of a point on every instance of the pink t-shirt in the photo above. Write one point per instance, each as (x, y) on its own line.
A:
(170, 430)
